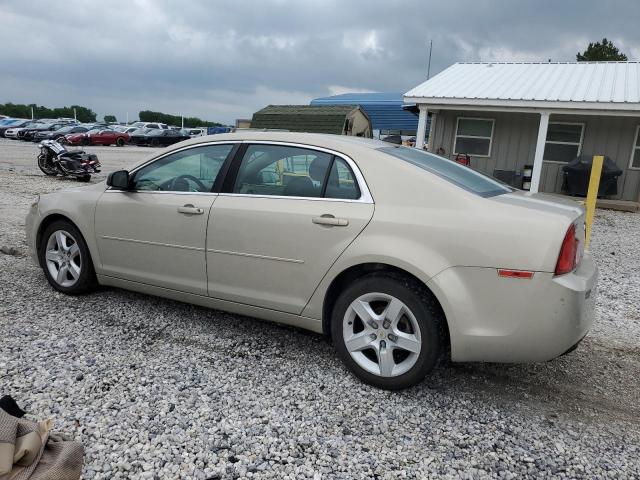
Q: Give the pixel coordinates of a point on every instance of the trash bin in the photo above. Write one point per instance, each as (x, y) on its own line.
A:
(578, 172)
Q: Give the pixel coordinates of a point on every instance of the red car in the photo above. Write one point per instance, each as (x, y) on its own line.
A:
(98, 137)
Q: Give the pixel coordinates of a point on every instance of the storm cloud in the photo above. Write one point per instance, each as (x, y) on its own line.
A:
(225, 60)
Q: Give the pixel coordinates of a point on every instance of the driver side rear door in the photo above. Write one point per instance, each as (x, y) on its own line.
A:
(155, 233)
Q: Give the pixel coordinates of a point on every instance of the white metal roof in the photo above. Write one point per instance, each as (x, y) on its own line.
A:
(570, 85)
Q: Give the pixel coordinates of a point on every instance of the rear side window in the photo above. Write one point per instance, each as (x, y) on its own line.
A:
(341, 182)
(463, 177)
(287, 171)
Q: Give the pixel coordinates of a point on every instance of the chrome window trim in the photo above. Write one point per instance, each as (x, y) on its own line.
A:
(365, 193)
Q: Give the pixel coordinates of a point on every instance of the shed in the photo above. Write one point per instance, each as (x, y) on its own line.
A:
(335, 119)
(508, 115)
(385, 110)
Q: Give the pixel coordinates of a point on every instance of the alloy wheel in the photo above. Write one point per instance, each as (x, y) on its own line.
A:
(381, 334)
(63, 258)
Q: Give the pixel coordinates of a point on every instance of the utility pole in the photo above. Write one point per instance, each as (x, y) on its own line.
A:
(74, 114)
(127, 119)
(31, 113)
(182, 122)
(429, 65)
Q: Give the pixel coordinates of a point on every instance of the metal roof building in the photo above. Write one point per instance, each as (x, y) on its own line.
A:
(384, 109)
(506, 115)
(334, 119)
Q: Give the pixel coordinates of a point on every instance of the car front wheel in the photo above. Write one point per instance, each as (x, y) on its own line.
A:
(66, 260)
(388, 330)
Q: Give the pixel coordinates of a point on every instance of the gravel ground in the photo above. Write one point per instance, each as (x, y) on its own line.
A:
(158, 389)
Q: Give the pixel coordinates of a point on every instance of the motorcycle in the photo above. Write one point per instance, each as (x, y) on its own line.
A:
(55, 159)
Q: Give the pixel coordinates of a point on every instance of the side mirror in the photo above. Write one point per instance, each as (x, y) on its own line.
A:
(118, 180)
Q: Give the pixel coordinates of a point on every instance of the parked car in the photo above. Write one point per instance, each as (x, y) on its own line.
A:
(125, 129)
(59, 133)
(158, 138)
(402, 256)
(6, 124)
(195, 132)
(149, 125)
(98, 137)
(15, 130)
(30, 134)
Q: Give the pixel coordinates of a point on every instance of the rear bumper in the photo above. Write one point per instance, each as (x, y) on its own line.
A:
(496, 319)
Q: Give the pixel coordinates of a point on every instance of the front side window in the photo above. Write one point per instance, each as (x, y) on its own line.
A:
(453, 172)
(191, 170)
(473, 136)
(635, 152)
(564, 141)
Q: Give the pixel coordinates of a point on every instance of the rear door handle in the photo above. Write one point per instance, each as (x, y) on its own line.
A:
(189, 209)
(330, 220)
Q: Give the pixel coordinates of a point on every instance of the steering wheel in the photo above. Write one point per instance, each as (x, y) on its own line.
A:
(201, 186)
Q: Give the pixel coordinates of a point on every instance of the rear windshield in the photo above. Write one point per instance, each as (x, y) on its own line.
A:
(463, 177)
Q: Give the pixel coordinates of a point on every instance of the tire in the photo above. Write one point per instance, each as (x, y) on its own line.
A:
(62, 141)
(85, 141)
(84, 178)
(120, 142)
(46, 167)
(155, 142)
(406, 346)
(76, 260)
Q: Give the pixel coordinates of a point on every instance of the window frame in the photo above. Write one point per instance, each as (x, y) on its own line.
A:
(558, 162)
(634, 147)
(231, 175)
(456, 136)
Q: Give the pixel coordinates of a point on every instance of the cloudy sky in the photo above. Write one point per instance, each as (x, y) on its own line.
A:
(224, 60)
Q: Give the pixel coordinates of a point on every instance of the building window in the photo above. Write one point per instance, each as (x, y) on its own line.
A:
(635, 152)
(473, 136)
(564, 141)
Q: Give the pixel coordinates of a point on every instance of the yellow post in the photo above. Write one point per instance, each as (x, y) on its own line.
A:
(592, 195)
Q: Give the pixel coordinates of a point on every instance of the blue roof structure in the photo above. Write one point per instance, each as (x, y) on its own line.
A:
(384, 109)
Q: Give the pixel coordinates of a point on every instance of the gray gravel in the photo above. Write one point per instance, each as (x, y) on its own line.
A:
(158, 389)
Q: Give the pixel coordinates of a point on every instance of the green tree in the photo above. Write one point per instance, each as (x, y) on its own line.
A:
(149, 116)
(83, 114)
(601, 52)
(110, 118)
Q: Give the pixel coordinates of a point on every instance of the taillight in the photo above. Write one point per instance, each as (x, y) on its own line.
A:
(567, 260)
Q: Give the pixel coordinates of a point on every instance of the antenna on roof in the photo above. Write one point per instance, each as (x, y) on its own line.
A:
(429, 65)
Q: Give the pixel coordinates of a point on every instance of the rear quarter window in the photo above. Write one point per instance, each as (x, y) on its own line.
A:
(459, 175)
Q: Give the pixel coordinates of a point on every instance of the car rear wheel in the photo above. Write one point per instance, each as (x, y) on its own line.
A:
(66, 260)
(85, 142)
(120, 142)
(388, 330)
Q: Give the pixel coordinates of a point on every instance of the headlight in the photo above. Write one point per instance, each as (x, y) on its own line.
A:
(36, 201)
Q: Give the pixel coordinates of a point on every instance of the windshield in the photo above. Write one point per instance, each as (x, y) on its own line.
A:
(463, 177)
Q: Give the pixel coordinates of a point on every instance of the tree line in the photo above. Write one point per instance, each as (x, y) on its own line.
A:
(15, 110)
(149, 116)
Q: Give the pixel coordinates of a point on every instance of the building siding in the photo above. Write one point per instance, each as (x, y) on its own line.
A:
(514, 140)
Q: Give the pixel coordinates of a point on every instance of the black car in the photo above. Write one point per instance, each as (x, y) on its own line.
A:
(157, 138)
(28, 134)
(61, 132)
(4, 128)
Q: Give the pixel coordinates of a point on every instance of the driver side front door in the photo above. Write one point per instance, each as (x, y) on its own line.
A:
(155, 233)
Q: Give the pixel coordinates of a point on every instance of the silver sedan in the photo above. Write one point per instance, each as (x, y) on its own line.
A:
(403, 257)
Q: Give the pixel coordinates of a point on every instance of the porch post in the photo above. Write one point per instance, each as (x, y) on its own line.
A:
(538, 158)
(422, 126)
(432, 131)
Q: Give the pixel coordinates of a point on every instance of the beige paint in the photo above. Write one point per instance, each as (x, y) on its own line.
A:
(265, 256)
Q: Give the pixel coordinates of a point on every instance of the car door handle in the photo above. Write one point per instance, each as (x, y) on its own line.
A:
(189, 209)
(330, 220)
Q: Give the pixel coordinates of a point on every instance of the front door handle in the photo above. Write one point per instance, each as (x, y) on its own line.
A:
(330, 220)
(189, 209)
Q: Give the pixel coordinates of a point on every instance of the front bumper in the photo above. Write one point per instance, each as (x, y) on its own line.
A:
(495, 319)
(30, 232)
